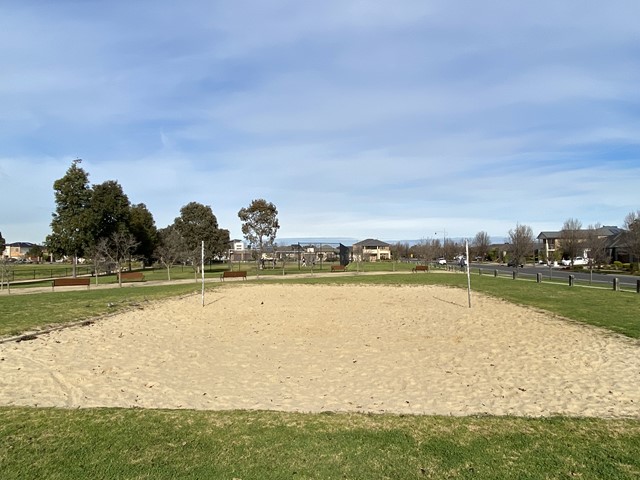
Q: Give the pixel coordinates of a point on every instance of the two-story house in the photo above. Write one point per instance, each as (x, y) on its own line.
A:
(371, 250)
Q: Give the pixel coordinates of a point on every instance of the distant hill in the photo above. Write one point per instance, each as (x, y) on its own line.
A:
(316, 240)
(350, 241)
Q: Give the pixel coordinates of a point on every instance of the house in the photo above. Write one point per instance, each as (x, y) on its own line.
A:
(371, 250)
(552, 242)
(17, 250)
(237, 245)
(238, 251)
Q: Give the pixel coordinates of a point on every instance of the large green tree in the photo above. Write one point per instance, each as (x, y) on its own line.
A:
(71, 227)
(110, 210)
(260, 223)
(197, 223)
(143, 227)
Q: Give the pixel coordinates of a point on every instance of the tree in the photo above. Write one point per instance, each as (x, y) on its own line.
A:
(632, 235)
(110, 210)
(426, 249)
(4, 264)
(450, 248)
(5, 271)
(597, 246)
(197, 223)
(143, 227)
(171, 248)
(481, 243)
(571, 238)
(71, 225)
(521, 243)
(117, 248)
(260, 223)
(399, 250)
(36, 252)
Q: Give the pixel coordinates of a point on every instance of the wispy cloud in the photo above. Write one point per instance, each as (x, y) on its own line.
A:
(357, 119)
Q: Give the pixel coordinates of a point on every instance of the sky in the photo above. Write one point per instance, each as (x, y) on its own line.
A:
(378, 119)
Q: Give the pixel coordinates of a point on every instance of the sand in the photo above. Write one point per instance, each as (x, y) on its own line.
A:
(378, 349)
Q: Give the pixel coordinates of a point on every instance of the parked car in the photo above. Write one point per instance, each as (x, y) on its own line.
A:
(576, 261)
(442, 261)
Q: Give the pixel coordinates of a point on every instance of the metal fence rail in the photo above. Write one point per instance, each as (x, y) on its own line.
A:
(572, 280)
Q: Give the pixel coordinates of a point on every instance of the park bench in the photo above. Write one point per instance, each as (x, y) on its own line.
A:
(231, 274)
(132, 276)
(420, 268)
(338, 268)
(71, 282)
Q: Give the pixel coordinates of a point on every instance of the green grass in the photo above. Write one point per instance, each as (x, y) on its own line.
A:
(148, 444)
(21, 313)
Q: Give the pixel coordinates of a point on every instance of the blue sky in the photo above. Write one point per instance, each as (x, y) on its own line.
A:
(384, 119)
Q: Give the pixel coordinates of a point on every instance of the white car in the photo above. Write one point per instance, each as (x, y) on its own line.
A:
(442, 261)
(576, 261)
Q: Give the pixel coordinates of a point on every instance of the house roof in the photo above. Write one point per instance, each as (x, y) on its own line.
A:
(606, 231)
(371, 242)
(21, 244)
(543, 235)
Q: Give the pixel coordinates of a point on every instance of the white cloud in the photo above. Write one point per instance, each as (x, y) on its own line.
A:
(358, 119)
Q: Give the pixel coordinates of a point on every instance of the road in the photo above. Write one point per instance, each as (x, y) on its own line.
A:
(628, 281)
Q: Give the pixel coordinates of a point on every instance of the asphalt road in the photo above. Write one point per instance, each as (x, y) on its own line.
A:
(628, 281)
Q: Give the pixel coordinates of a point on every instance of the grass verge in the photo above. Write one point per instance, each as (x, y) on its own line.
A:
(22, 313)
(148, 444)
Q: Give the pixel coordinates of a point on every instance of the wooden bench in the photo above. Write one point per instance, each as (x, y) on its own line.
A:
(230, 274)
(420, 268)
(338, 268)
(71, 282)
(132, 276)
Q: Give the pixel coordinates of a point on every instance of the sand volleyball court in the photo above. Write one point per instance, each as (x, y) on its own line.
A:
(410, 349)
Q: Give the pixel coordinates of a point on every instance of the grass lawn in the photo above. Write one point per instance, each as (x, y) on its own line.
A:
(160, 444)
(21, 313)
(156, 444)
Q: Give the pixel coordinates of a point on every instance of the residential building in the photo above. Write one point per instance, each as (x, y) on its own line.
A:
(552, 242)
(17, 250)
(371, 250)
(237, 245)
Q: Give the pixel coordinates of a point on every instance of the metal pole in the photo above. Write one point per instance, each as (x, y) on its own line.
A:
(202, 272)
(468, 272)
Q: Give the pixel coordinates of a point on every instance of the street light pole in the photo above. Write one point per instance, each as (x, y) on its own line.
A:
(444, 240)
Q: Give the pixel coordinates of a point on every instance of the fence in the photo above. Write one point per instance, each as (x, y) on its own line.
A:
(571, 280)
